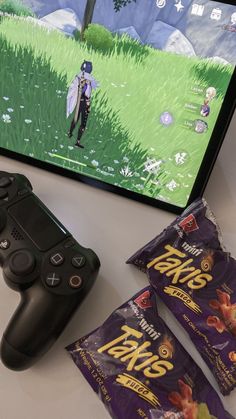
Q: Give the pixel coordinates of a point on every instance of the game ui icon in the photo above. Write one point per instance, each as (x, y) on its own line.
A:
(200, 126)
(166, 118)
(205, 109)
(216, 14)
(210, 93)
(79, 99)
(233, 19)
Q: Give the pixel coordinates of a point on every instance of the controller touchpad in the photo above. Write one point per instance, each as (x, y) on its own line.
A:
(35, 220)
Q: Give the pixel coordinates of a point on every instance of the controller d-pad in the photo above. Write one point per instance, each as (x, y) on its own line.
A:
(4, 182)
(22, 262)
(52, 279)
(3, 193)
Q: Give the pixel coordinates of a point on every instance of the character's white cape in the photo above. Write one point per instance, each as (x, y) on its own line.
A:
(73, 91)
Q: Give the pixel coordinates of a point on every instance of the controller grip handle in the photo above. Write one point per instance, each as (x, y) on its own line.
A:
(34, 327)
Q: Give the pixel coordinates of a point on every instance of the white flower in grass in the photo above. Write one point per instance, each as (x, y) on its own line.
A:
(26, 140)
(10, 110)
(28, 121)
(92, 151)
(110, 169)
(126, 172)
(5, 98)
(38, 130)
(56, 137)
(86, 157)
(6, 118)
(95, 163)
(61, 146)
(125, 159)
(22, 106)
(172, 185)
(31, 154)
(70, 147)
(37, 86)
(116, 161)
(139, 187)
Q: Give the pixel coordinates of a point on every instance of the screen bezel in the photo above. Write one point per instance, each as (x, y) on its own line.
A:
(214, 145)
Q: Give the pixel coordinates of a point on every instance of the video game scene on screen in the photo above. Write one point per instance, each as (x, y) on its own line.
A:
(115, 90)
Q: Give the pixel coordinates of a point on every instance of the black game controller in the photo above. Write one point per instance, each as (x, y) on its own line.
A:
(44, 262)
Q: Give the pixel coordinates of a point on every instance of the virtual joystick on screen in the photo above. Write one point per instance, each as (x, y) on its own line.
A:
(42, 261)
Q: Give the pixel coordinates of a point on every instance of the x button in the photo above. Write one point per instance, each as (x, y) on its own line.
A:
(53, 280)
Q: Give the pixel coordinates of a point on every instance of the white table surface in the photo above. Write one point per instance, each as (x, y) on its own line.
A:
(114, 227)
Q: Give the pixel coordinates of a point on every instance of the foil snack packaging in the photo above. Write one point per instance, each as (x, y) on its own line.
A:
(140, 370)
(196, 278)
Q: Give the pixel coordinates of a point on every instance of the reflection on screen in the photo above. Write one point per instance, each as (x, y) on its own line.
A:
(132, 100)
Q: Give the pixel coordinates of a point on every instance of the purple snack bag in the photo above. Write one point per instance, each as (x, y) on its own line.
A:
(195, 277)
(140, 370)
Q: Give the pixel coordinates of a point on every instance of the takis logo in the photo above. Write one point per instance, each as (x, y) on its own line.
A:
(189, 224)
(143, 300)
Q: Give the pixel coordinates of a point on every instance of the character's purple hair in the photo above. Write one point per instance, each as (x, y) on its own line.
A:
(87, 66)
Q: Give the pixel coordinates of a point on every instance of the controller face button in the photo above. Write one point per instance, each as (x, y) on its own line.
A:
(22, 262)
(57, 259)
(53, 280)
(3, 193)
(4, 182)
(78, 261)
(5, 244)
(75, 281)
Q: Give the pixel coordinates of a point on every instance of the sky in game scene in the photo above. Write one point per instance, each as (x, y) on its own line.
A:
(151, 99)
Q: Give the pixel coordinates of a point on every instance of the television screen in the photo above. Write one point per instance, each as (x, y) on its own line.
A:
(133, 96)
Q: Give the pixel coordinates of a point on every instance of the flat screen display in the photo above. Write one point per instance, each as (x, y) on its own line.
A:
(135, 96)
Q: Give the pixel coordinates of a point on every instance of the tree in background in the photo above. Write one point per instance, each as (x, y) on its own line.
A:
(89, 10)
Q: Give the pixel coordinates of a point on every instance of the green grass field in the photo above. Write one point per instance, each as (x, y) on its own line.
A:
(124, 131)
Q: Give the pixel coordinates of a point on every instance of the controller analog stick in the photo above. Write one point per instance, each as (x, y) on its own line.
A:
(21, 262)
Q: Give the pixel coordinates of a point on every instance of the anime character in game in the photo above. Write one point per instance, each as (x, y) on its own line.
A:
(79, 99)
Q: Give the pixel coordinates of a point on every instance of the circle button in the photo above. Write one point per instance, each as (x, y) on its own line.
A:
(22, 262)
(75, 281)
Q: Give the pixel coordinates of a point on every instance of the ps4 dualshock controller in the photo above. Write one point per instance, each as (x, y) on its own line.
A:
(42, 261)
